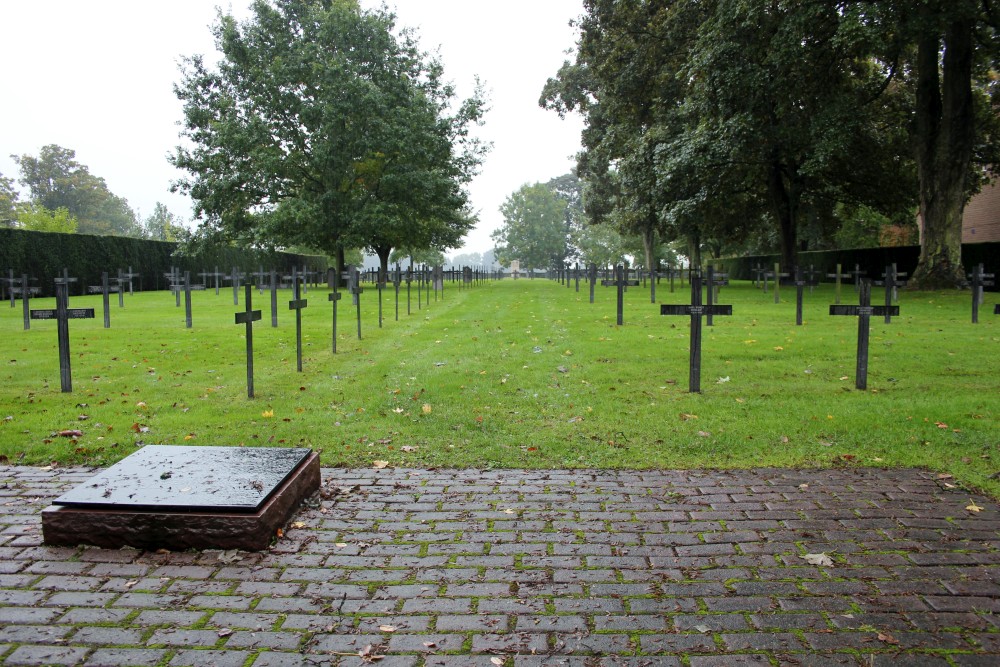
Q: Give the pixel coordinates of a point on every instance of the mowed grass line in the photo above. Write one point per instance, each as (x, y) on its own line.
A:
(518, 374)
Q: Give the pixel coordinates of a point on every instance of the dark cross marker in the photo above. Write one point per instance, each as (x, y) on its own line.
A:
(858, 275)
(620, 282)
(236, 286)
(11, 282)
(260, 273)
(996, 309)
(837, 277)
(187, 299)
(105, 291)
(712, 283)
(811, 277)
(978, 280)
(695, 311)
(800, 284)
(25, 292)
(864, 312)
(297, 304)
(396, 279)
(248, 317)
(356, 290)
(758, 273)
(175, 284)
(409, 279)
(62, 313)
(274, 298)
(334, 297)
(891, 281)
(129, 276)
(121, 289)
(592, 279)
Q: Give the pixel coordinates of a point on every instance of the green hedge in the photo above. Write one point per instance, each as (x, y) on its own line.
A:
(871, 260)
(44, 255)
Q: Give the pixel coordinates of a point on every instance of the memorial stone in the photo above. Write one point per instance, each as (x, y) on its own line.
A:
(186, 498)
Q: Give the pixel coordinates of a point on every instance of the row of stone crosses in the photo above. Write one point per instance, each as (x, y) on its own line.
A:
(426, 279)
(622, 278)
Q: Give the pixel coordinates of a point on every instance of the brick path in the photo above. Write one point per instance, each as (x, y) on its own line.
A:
(532, 568)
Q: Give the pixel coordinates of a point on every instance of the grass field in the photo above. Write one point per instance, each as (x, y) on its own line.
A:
(517, 374)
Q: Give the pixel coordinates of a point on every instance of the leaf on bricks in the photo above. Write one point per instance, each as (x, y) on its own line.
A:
(818, 559)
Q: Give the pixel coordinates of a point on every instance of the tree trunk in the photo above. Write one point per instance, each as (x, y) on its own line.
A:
(383, 252)
(944, 135)
(648, 245)
(784, 203)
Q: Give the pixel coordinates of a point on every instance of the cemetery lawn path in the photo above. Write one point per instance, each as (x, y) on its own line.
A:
(516, 374)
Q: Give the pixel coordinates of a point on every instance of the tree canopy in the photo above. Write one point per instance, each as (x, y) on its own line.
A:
(708, 119)
(534, 229)
(321, 127)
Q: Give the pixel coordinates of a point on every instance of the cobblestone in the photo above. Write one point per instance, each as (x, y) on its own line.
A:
(460, 568)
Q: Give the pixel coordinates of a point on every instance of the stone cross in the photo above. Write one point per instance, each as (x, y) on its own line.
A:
(978, 280)
(248, 317)
(864, 312)
(621, 282)
(837, 278)
(777, 275)
(62, 313)
(800, 283)
(695, 310)
(891, 280)
(297, 304)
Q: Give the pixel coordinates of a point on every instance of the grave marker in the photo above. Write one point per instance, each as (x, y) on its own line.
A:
(695, 310)
(712, 283)
(334, 297)
(864, 312)
(397, 278)
(274, 298)
(800, 284)
(837, 276)
(758, 273)
(620, 281)
(187, 300)
(890, 279)
(62, 313)
(297, 304)
(354, 282)
(25, 297)
(777, 275)
(978, 280)
(248, 317)
(858, 275)
(11, 282)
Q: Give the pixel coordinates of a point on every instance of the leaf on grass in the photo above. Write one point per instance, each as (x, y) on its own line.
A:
(940, 424)
(267, 414)
(378, 465)
(70, 433)
(407, 448)
(820, 559)
(426, 409)
(687, 417)
(722, 380)
(704, 434)
(398, 411)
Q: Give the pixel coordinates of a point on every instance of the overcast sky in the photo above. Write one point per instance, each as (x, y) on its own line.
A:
(96, 76)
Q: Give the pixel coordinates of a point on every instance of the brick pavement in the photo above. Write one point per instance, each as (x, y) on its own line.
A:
(532, 568)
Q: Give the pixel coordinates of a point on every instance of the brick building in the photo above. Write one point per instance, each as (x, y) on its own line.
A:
(981, 220)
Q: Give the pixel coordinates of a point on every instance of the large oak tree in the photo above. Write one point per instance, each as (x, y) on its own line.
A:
(321, 127)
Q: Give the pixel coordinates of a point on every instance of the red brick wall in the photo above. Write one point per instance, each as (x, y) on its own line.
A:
(981, 222)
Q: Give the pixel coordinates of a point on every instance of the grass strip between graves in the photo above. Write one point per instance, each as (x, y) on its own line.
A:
(516, 374)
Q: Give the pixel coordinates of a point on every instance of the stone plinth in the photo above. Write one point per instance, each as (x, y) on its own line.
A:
(186, 497)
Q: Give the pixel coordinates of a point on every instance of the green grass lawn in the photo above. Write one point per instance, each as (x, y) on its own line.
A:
(517, 374)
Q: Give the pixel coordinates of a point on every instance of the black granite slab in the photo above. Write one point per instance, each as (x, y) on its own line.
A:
(194, 479)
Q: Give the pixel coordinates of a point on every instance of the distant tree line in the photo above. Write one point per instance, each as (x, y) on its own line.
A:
(63, 196)
(745, 126)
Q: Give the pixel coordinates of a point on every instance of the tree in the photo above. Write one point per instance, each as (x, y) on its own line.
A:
(953, 47)
(321, 128)
(8, 202)
(163, 225)
(40, 219)
(534, 228)
(418, 257)
(56, 180)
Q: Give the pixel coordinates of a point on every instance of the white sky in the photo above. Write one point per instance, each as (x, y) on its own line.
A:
(97, 77)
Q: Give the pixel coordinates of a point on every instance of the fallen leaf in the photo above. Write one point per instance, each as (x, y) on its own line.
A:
(704, 434)
(70, 433)
(887, 638)
(378, 465)
(973, 507)
(398, 411)
(941, 424)
(298, 524)
(687, 417)
(945, 475)
(267, 414)
(430, 645)
(702, 628)
(426, 409)
(803, 486)
(387, 628)
(224, 632)
(496, 661)
(818, 559)
(407, 449)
